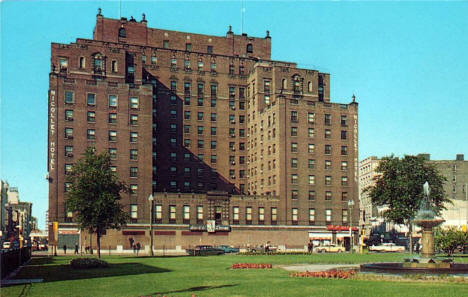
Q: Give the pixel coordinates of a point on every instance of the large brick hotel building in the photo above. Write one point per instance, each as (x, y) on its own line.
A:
(236, 148)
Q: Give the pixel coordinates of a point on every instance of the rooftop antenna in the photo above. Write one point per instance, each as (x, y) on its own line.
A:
(242, 16)
(120, 9)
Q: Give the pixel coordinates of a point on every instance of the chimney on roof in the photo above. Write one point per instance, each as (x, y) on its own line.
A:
(143, 18)
(460, 157)
(268, 34)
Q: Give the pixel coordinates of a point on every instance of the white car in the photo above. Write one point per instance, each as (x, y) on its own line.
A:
(387, 247)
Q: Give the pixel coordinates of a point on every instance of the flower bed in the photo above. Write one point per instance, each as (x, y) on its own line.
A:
(342, 274)
(251, 266)
(84, 263)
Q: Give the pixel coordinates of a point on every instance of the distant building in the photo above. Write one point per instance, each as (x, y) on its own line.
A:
(369, 212)
(3, 214)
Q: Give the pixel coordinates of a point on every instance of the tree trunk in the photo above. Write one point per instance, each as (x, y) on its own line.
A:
(410, 228)
(91, 242)
(98, 237)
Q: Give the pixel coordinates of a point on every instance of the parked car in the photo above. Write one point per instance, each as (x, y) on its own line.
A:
(6, 245)
(228, 249)
(332, 248)
(204, 250)
(387, 247)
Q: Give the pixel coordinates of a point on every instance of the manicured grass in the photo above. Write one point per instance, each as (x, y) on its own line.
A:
(212, 276)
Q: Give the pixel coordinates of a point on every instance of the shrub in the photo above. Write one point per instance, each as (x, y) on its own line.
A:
(341, 274)
(251, 266)
(84, 263)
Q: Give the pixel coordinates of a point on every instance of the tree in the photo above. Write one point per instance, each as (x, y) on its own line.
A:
(399, 186)
(94, 195)
(449, 239)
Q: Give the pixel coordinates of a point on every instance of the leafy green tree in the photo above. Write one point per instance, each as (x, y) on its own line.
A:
(449, 239)
(94, 195)
(399, 186)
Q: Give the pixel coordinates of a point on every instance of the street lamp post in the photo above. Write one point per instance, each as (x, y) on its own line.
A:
(350, 206)
(150, 199)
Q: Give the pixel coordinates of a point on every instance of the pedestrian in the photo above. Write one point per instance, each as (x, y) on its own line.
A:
(309, 246)
(138, 247)
(134, 248)
(76, 248)
(65, 249)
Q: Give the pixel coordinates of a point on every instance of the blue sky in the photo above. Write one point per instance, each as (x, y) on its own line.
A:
(406, 62)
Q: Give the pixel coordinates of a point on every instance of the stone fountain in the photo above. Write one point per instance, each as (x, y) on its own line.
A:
(427, 219)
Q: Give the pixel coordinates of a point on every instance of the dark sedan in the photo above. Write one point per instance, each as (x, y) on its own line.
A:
(204, 250)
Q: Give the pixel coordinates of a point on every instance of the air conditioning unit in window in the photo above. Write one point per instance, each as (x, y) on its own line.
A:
(233, 149)
(69, 137)
(233, 163)
(69, 155)
(68, 119)
(233, 107)
(233, 121)
(233, 177)
(233, 135)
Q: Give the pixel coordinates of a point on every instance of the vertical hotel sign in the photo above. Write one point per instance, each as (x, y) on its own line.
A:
(52, 131)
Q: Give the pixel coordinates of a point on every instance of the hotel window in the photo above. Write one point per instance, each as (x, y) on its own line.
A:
(311, 195)
(311, 180)
(311, 163)
(113, 169)
(187, 88)
(274, 214)
(200, 65)
(294, 215)
(113, 153)
(133, 189)
(327, 133)
(186, 212)
(293, 131)
(213, 130)
(69, 133)
(213, 159)
(186, 142)
(294, 147)
(200, 143)
(328, 215)
(344, 165)
(67, 186)
(328, 164)
(200, 130)
(294, 178)
(248, 213)
(114, 66)
(173, 63)
(68, 168)
(69, 151)
(344, 196)
(113, 118)
(91, 99)
(327, 120)
(158, 212)
(200, 115)
(294, 117)
(173, 141)
(311, 117)
(133, 154)
(63, 64)
(344, 121)
(328, 180)
(69, 97)
(293, 163)
(327, 149)
(199, 213)
(68, 115)
(261, 214)
(173, 169)
(344, 215)
(122, 33)
(173, 127)
(173, 85)
(173, 156)
(133, 211)
(294, 194)
(165, 43)
(186, 115)
(133, 119)
(112, 135)
(91, 117)
(200, 101)
(311, 215)
(172, 212)
(133, 136)
(235, 213)
(134, 102)
(91, 135)
(343, 134)
(214, 90)
(133, 171)
(113, 100)
(187, 64)
(213, 144)
(209, 49)
(344, 150)
(344, 180)
(328, 195)
(154, 59)
(311, 132)
(311, 148)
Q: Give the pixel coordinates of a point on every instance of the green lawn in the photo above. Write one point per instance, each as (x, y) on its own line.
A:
(212, 276)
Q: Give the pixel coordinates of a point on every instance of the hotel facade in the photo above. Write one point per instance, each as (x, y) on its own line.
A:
(235, 148)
